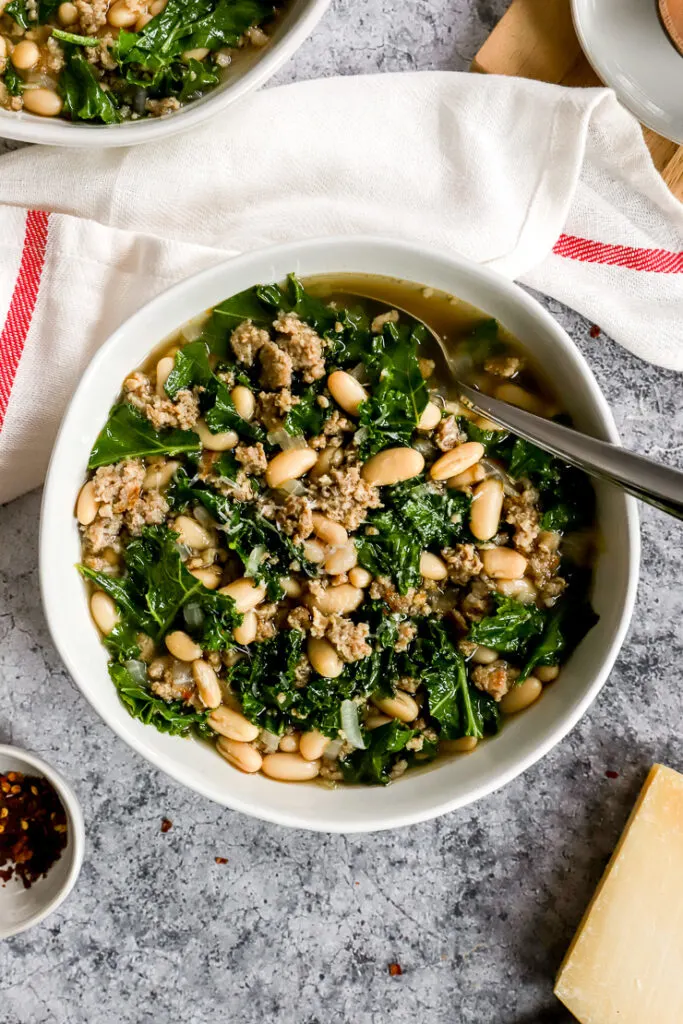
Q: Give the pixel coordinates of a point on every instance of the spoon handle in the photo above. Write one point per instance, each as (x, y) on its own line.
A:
(650, 481)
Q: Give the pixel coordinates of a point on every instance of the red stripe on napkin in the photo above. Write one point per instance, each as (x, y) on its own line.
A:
(655, 261)
(23, 303)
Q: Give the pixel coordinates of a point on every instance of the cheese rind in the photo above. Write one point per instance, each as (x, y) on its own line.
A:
(625, 964)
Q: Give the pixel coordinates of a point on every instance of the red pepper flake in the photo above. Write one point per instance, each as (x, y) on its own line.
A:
(395, 970)
(33, 827)
(221, 860)
(595, 331)
(166, 825)
(612, 775)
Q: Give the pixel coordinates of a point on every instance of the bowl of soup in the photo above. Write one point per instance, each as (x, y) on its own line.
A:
(293, 570)
(125, 72)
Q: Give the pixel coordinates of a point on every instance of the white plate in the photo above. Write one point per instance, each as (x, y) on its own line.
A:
(419, 794)
(22, 908)
(626, 44)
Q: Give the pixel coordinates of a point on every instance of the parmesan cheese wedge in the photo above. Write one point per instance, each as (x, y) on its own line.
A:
(625, 964)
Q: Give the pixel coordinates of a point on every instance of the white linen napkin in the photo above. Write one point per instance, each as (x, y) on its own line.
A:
(551, 186)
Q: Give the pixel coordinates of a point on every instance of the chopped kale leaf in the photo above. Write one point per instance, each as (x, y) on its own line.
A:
(84, 98)
(383, 745)
(511, 628)
(398, 393)
(128, 434)
(173, 717)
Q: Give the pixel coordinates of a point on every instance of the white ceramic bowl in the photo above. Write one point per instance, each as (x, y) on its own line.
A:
(250, 70)
(419, 794)
(21, 908)
(628, 47)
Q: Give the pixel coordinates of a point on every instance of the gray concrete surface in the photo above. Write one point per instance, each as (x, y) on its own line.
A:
(477, 907)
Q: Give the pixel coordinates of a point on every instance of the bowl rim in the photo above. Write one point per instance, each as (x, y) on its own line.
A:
(55, 132)
(74, 813)
(568, 719)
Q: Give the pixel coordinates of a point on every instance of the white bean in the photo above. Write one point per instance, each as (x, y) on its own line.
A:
(210, 577)
(104, 612)
(338, 600)
(523, 590)
(314, 551)
(159, 475)
(360, 577)
(86, 506)
(208, 687)
(289, 767)
(487, 505)
(191, 533)
(471, 476)
(67, 13)
(163, 371)
(290, 465)
(182, 646)
(197, 54)
(463, 745)
(324, 658)
(121, 16)
(291, 587)
(245, 633)
(520, 697)
(43, 102)
(329, 532)
(503, 563)
(546, 673)
(401, 706)
(514, 395)
(392, 466)
(312, 745)
(233, 724)
(432, 567)
(457, 460)
(375, 721)
(341, 559)
(484, 655)
(289, 743)
(220, 442)
(430, 417)
(25, 55)
(244, 401)
(486, 424)
(346, 391)
(240, 755)
(245, 593)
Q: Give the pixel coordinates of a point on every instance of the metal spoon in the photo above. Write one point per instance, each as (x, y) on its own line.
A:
(652, 482)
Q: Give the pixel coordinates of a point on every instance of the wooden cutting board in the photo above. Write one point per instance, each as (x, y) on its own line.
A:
(536, 39)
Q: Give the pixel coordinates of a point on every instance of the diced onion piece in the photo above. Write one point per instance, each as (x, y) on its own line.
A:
(293, 487)
(331, 751)
(138, 670)
(269, 740)
(254, 560)
(359, 372)
(493, 469)
(193, 328)
(193, 614)
(349, 724)
(182, 672)
(183, 551)
(285, 440)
